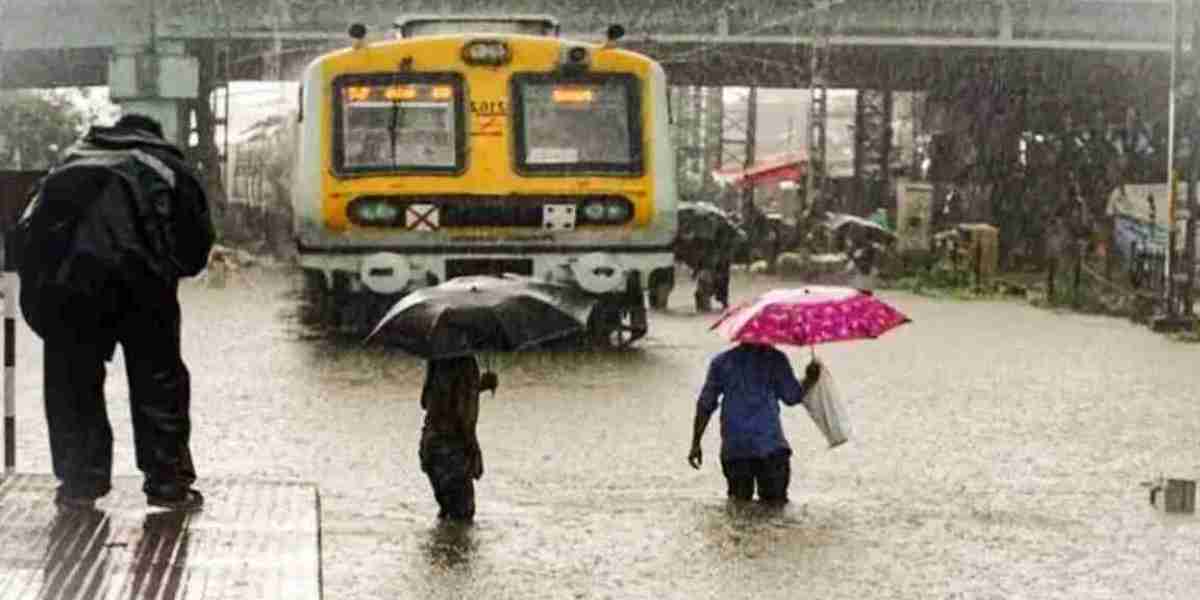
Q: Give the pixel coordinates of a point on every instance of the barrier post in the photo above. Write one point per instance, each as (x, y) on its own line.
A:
(10, 355)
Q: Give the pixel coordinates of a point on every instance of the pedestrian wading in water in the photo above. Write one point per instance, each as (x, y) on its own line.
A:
(450, 453)
(103, 243)
(748, 382)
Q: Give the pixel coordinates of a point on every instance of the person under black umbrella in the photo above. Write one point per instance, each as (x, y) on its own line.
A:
(450, 453)
(448, 325)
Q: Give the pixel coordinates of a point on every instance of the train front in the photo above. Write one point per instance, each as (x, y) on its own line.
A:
(426, 158)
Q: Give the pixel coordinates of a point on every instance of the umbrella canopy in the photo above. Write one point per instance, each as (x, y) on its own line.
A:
(840, 221)
(701, 220)
(808, 316)
(467, 315)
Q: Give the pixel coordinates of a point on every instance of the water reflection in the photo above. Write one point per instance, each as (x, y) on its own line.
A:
(160, 558)
(449, 555)
(77, 557)
(740, 529)
(451, 545)
(744, 513)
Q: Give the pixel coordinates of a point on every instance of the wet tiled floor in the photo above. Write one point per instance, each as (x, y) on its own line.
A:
(253, 540)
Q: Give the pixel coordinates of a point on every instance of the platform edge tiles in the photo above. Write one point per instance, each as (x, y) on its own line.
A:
(253, 539)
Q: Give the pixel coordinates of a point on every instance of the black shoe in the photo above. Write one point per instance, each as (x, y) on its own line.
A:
(190, 501)
(71, 503)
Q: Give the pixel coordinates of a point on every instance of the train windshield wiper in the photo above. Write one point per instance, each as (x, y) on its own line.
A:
(396, 122)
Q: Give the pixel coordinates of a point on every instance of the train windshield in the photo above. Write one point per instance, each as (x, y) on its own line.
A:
(578, 125)
(382, 124)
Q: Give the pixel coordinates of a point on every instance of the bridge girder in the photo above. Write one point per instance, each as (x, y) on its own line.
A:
(704, 42)
(95, 23)
(720, 63)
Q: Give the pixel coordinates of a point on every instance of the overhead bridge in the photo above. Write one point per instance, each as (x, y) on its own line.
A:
(707, 42)
(166, 57)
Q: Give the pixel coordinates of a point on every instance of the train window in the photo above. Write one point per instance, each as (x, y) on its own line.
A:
(569, 125)
(398, 122)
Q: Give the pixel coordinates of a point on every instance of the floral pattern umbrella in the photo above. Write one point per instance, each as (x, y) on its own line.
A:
(809, 316)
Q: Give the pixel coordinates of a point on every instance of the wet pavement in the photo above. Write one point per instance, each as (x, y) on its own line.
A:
(998, 453)
(254, 540)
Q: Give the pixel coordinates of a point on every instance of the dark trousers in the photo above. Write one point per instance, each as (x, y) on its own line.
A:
(721, 293)
(444, 460)
(770, 475)
(81, 439)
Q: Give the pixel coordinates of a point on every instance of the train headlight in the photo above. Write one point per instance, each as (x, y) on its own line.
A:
(373, 211)
(606, 210)
(486, 52)
(616, 212)
(594, 211)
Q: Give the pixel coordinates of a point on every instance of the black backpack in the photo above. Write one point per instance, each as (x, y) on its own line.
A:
(63, 288)
(100, 218)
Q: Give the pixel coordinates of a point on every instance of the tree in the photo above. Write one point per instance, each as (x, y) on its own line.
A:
(1036, 145)
(35, 127)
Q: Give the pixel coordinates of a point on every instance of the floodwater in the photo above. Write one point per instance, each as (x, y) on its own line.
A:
(999, 452)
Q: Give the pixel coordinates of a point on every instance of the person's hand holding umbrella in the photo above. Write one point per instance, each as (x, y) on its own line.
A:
(812, 373)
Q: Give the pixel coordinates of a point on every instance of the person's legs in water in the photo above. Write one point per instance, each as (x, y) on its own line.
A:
(444, 461)
(722, 282)
(773, 478)
(81, 441)
(739, 475)
(160, 401)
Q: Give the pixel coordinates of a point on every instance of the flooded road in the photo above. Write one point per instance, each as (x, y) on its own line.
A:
(998, 452)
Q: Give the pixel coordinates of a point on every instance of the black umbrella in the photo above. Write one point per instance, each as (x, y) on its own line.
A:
(701, 220)
(467, 315)
(875, 231)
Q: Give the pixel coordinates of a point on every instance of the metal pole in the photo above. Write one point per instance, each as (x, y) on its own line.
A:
(10, 301)
(814, 187)
(1171, 177)
(10, 357)
(1190, 230)
(751, 154)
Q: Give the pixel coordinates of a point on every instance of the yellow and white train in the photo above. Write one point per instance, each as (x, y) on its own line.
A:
(473, 145)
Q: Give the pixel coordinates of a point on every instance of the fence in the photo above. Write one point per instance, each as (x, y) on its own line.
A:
(1147, 268)
(1148, 275)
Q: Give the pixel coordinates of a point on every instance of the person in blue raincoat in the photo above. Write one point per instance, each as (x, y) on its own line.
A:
(748, 382)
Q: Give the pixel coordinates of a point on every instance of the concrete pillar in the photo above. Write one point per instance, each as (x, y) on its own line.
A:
(157, 81)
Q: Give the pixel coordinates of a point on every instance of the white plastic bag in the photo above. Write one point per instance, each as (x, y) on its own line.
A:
(825, 406)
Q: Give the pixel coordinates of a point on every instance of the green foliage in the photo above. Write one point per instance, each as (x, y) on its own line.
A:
(922, 272)
(35, 127)
(900, 265)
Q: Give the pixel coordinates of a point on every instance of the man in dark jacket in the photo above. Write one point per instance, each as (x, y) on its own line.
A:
(113, 278)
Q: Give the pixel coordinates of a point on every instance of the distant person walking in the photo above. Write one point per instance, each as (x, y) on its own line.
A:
(104, 242)
(449, 452)
(748, 382)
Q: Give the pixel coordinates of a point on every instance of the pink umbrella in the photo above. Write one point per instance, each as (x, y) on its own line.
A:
(808, 316)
